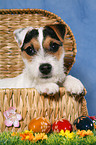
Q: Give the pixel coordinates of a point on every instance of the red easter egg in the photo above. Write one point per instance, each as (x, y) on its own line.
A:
(61, 124)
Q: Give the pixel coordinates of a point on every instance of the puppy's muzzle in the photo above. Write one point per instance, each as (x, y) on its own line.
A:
(45, 68)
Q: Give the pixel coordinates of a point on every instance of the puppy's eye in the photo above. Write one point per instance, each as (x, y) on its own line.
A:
(54, 47)
(30, 50)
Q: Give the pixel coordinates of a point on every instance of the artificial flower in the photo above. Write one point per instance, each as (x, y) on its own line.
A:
(40, 136)
(12, 118)
(84, 133)
(67, 134)
(89, 132)
(28, 131)
(13, 133)
(94, 120)
(62, 133)
(92, 117)
(94, 125)
(28, 135)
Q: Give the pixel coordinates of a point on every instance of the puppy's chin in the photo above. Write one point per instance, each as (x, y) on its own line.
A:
(50, 78)
(46, 76)
(46, 80)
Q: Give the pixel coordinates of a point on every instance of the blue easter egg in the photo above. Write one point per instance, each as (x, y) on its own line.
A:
(83, 123)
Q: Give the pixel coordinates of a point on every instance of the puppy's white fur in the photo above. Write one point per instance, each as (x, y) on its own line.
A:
(31, 76)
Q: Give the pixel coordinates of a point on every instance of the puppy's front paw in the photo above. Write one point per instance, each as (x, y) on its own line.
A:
(73, 85)
(49, 88)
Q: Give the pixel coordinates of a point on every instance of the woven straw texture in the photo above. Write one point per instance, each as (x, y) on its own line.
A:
(29, 102)
(11, 63)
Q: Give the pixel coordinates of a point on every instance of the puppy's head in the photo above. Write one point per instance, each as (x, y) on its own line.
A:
(42, 51)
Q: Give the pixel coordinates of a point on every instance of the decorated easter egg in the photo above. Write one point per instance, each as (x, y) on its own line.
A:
(39, 124)
(61, 124)
(83, 123)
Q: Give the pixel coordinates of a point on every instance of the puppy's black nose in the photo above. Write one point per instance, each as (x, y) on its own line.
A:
(45, 68)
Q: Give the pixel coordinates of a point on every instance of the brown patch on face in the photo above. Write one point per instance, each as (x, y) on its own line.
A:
(26, 56)
(57, 32)
(46, 46)
(59, 53)
(60, 30)
(33, 42)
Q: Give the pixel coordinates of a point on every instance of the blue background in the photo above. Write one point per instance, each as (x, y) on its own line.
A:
(80, 15)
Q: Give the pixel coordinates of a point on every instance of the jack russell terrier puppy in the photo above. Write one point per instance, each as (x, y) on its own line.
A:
(43, 54)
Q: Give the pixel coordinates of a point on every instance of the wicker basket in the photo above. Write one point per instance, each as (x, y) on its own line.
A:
(29, 102)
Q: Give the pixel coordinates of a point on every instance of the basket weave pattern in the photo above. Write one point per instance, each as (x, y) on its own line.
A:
(28, 102)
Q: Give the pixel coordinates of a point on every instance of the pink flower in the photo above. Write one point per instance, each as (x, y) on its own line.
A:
(12, 118)
(92, 117)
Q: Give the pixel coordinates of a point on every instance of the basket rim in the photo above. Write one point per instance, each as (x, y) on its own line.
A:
(34, 11)
(29, 11)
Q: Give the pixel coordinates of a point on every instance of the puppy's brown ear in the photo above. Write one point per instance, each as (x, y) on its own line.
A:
(60, 30)
(20, 34)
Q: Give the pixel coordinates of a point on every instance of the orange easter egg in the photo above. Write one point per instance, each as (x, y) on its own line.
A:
(40, 124)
